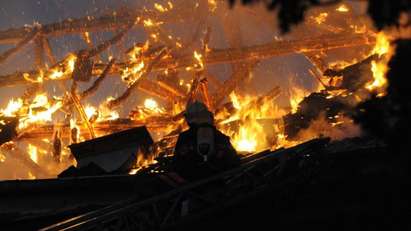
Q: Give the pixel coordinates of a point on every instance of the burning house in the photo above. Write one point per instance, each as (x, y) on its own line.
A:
(95, 101)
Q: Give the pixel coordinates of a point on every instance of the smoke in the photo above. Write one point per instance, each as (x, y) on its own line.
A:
(343, 127)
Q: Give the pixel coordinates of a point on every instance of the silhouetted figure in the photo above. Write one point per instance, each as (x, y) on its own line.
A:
(202, 150)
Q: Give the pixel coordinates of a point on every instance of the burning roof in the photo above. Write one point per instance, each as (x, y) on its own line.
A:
(167, 69)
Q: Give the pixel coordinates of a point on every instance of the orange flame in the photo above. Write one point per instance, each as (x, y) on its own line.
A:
(380, 68)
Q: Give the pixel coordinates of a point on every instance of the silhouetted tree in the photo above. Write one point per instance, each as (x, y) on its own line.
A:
(291, 12)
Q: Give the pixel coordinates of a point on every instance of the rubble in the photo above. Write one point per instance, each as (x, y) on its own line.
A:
(112, 154)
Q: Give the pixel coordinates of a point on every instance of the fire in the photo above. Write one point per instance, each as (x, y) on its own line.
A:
(33, 153)
(31, 176)
(150, 23)
(378, 71)
(38, 79)
(251, 135)
(105, 113)
(152, 105)
(162, 8)
(343, 8)
(380, 68)
(142, 162)
(199, 59)
(2, 158)
(137, 51)
(66, 68)
(296, 96)
(87, 37)
(132, 74)
(382, 44)
(248, 120)
(112, 115)
(41, 110)
(247, 138)
(12, 108)
(321, 18)
(90, 111)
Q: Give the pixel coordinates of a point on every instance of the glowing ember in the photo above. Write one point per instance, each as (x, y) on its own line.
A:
(199, 58)
(87, 37)
(32, 151)
(321, 18)
(212, 5)
(342, 8)
(2, 158)
(150, 23)
(137, 51)
(163, 8)
(31, 176)
(159, 7)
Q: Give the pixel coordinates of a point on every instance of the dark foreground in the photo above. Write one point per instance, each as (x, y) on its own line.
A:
(353, 184)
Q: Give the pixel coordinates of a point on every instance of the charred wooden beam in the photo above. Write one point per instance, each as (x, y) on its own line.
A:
(106, 44)
(97, 83)
(49, 51)
(24, 41)
(39, 53)
(170, 83)
(240, 73)
(218, 56)
(47, 131)
(83, 114)
(108, 22)
(153, 88)
(115, 102)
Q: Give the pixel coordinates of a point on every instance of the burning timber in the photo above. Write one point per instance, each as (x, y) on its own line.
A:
(217, 56)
